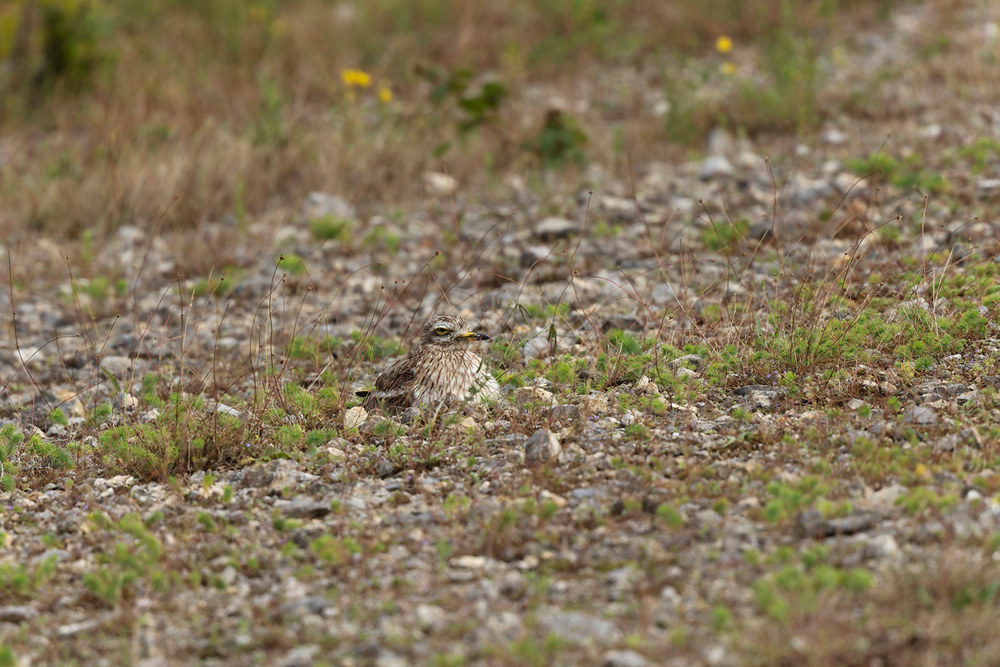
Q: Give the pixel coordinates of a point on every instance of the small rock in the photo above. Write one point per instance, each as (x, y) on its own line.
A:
(716, 655)
(748, 389)
(310, 604)
(507, 440)
(921, 414)
(988, 185)
(117, 366)
(387, 658)
(469, 562)
(671, 597)
(719, 142)
(467, 425)
(630, 417)
(127, 401)
(622, 322)
(932, 131)
(621, 581)
(229, 575)
(594, 404)
(386, 468)
(320, 204)
(757, 399)
(833, 136)
(147, 494)
(222, 408)
(664, 293)
(579, 627)
(276, 476)
(305, 508)
(542, 446)
(534, 254)
(547, 496)
(623, 658)
(567, 412)
(646, 386)
(535, 347)
(430, 618)
(116, 482)
(812, 523)
(228, 343)
(808, 191)
(715, 166)
(615, 209)
(555, 228)
(355, 417)
(70, 629)
(691, 361)
(440, 184)
(301, 656)
(879, 547)
(16, 614)
(532, 395)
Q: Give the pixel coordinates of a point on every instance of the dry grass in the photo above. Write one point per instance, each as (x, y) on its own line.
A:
(250, 113)
(700, 491)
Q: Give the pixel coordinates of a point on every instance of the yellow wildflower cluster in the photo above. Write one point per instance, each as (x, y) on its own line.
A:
(356, 78)
(724, 45)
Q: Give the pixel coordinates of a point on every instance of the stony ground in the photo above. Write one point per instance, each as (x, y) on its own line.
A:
(749, 417)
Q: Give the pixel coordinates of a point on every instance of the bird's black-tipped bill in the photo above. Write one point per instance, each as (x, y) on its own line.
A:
(474, 334)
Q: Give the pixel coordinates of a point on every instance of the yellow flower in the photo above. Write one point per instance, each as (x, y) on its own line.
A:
(385, 94)
(727, 68)
(355, 77)
(723, 44)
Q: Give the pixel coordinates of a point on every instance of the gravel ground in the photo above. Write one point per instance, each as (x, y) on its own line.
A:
(664, 513)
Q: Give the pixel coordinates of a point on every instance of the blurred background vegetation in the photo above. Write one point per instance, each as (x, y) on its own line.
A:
(116, 112)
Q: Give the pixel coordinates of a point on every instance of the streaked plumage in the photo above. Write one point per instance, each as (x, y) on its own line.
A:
(439, 367)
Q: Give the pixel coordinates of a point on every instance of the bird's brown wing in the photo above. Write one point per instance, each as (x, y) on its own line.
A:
(394, 385)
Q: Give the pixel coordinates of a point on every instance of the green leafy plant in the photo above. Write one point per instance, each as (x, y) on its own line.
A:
(560, 141)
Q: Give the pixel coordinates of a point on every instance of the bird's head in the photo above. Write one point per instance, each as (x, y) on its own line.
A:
(447, 330)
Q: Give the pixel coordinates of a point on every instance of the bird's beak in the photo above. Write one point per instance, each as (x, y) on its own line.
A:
(473, 334)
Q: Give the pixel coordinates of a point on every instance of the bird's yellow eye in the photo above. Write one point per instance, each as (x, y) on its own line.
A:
(442, 331)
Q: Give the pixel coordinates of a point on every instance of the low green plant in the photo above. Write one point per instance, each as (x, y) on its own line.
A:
(382, 237)
(375, 347)
(908, 174)
(22, 582)
(134, 560)
(334, 551)
(670, 515)
(723, 236)
(790, 499)
(291, 264)
(559, 142)
(798, 589)
(270, 129)
(330, 228)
